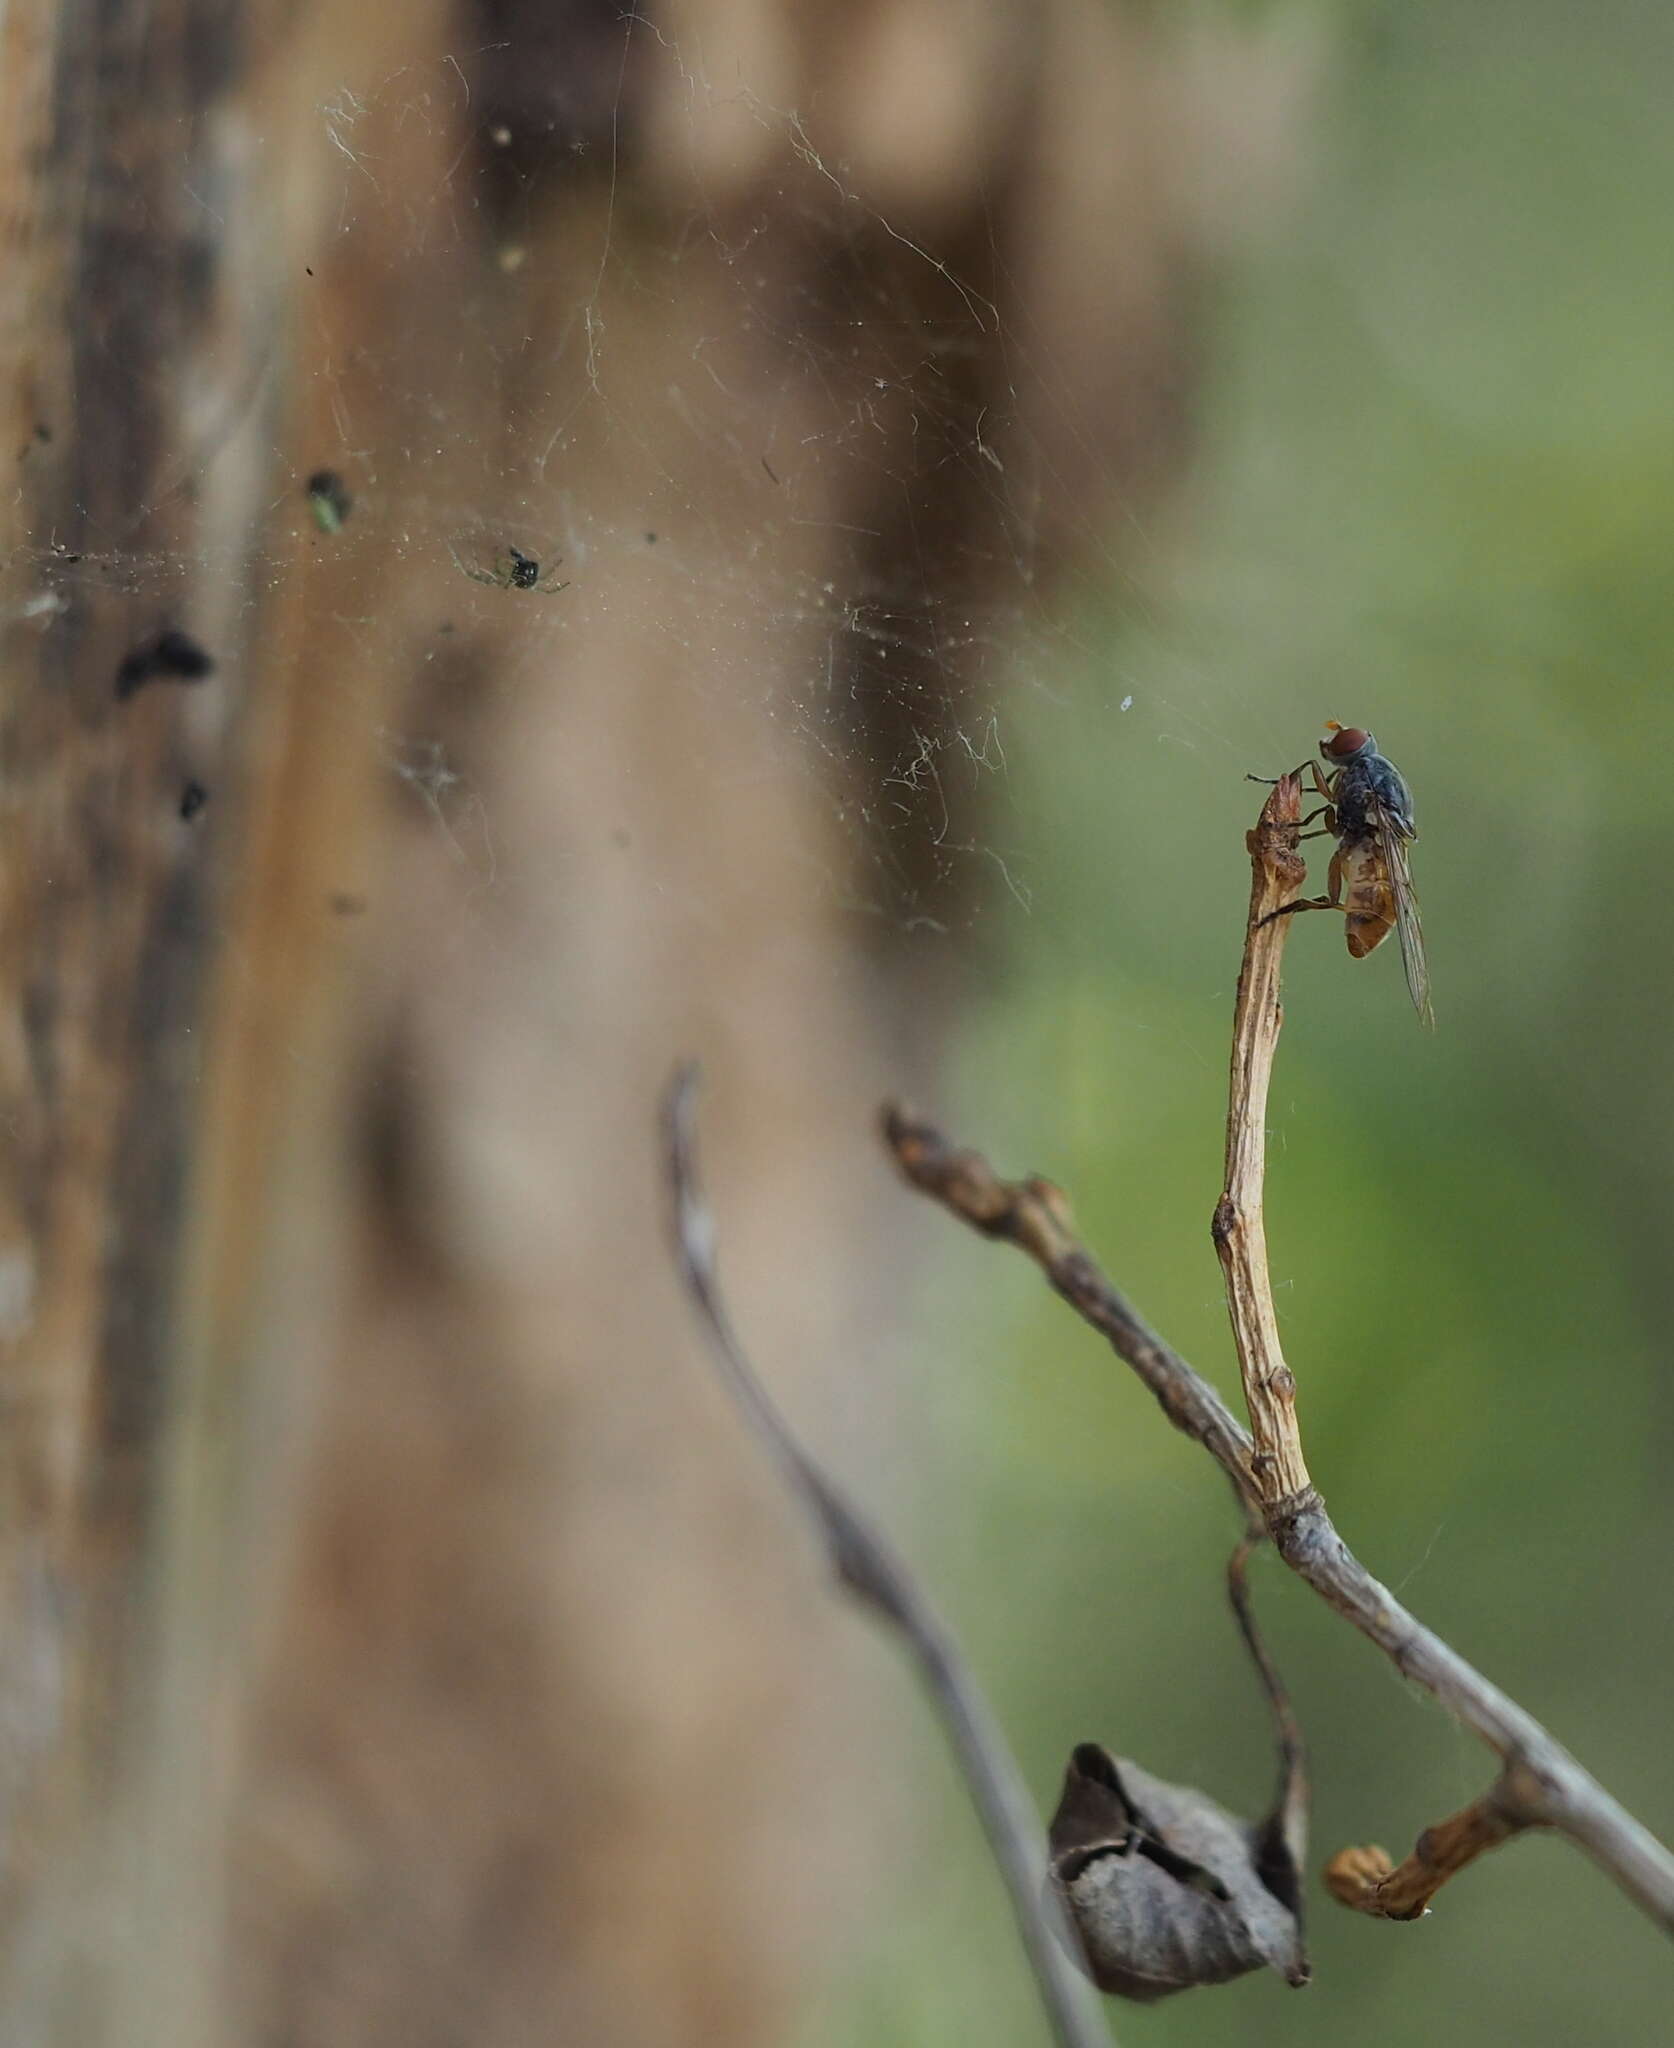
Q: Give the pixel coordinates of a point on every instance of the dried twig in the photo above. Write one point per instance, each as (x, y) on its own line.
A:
(1277, 1467)
(864, 1564)
(1368, 1880)
(1289, 1821)
(1540, 1783)
(1034, 1215)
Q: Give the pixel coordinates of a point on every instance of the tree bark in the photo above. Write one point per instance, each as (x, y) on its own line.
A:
(397, 1642)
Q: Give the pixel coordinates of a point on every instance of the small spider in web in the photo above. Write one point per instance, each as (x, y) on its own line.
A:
(512, 570)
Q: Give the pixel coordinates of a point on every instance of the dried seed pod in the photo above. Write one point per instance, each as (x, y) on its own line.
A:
(1167, 1889)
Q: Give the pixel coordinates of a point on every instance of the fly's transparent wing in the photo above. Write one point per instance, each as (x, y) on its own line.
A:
(1393, 844)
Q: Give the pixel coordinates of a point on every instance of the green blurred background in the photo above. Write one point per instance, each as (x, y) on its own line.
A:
(1433, 493)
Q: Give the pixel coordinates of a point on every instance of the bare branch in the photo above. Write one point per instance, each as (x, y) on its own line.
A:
(1034, 1216)
(1368, 1880)
(1541, 1784)
(864, 1564)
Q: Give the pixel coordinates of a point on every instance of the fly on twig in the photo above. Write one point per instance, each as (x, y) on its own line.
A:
(1368, 809)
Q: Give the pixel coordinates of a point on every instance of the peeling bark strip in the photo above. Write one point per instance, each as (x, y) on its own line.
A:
(108, 939)
(105, 937)
(1540, 1784)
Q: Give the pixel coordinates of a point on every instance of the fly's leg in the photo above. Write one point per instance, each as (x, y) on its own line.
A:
(1334, 901)
(1303, 903)
(1304, 771)
(1321, 787)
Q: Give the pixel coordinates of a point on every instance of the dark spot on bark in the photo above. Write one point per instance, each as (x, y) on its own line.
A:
(170, 655)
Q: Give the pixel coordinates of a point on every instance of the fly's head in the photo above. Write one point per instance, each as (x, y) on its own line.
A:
(1346, 743)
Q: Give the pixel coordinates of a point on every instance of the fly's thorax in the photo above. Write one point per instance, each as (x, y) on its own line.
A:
(1351, 794)
(1366, 780)
(1385, 782)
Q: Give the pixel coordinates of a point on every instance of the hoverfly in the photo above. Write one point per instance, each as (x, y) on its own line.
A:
(1368, 809)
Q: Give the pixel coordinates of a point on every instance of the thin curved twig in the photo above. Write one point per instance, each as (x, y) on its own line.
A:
(1289, 1819)
(865, 1565)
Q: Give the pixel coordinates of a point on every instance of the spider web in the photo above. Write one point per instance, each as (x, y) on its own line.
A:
(907, 661)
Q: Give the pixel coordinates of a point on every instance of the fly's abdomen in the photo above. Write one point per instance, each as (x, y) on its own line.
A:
(1368, 896)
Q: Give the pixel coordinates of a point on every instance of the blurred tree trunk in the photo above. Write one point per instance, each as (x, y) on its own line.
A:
(397, 1641)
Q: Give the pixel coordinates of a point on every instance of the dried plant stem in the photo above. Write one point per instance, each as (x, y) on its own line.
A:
(865, 1565)
(1277, 1466)
(1291, 1803)
(1369, 1881)
(1541, 1784)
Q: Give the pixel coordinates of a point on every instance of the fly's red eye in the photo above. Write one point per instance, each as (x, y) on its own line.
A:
(1345, 739)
